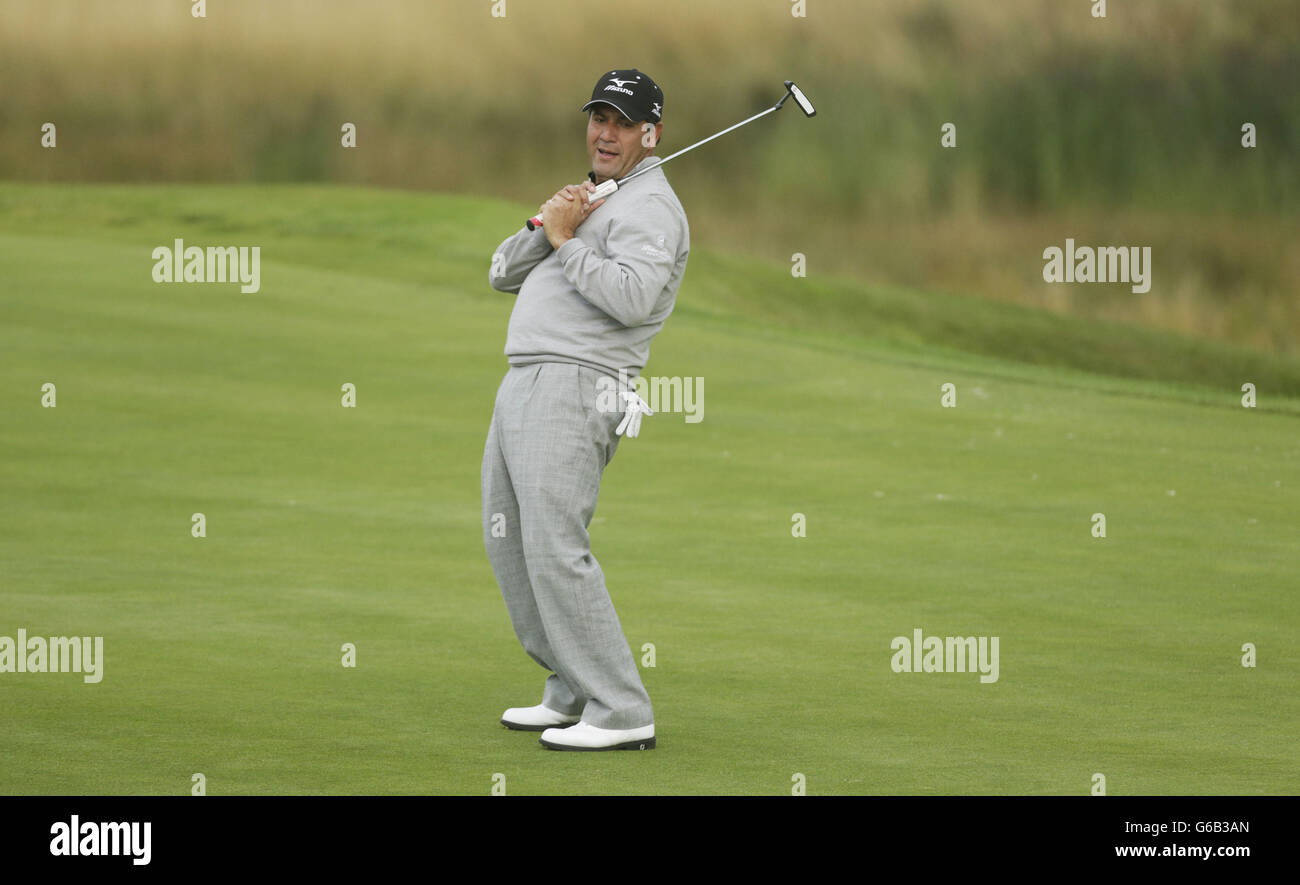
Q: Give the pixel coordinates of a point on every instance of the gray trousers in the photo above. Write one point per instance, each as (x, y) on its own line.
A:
(547, 447)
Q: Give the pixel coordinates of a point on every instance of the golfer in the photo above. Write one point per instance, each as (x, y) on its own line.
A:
(595, 283)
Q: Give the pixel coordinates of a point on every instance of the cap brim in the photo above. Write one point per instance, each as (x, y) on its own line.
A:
(608, 102)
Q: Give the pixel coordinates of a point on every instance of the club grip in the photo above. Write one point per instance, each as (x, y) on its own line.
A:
(534, 223)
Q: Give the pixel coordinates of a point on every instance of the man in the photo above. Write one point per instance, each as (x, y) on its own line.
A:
(595, 284)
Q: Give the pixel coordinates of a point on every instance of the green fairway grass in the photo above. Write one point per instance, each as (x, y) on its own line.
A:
(326, 525)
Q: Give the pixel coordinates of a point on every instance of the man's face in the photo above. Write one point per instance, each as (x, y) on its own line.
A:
(614, 142)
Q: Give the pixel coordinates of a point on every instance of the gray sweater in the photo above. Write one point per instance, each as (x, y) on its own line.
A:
(600, 298)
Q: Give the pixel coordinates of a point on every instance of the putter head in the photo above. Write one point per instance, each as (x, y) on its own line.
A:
(797, 94)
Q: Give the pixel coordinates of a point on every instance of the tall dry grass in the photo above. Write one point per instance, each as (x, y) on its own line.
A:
(1125, 128)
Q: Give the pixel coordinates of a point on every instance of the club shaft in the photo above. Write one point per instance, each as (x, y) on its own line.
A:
(536, 221)
(697, 144)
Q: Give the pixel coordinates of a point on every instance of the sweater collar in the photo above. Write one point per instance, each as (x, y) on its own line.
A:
(651, 160)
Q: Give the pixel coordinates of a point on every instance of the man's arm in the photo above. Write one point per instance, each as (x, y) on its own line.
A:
(515, 258)
(643, 250)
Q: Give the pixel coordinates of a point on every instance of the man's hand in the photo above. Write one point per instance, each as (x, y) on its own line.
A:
(566, 192)
(563, 213)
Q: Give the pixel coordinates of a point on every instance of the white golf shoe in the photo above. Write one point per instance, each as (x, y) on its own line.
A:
(588, 737)
(537, 718)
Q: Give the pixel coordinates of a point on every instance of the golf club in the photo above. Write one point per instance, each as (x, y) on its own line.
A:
(607, 187)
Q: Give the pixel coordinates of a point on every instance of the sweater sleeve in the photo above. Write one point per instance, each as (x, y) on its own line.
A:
(515, 258)
(643, 250)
